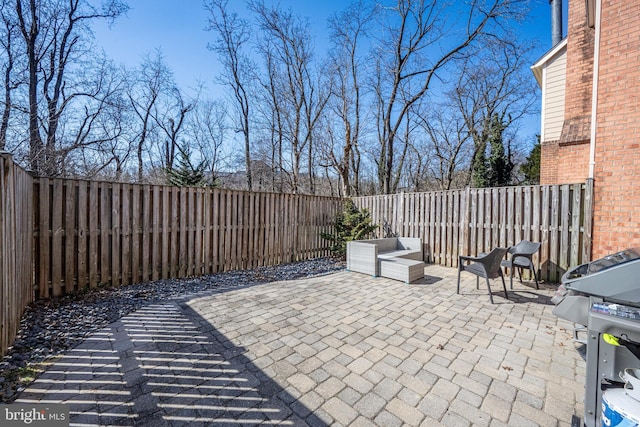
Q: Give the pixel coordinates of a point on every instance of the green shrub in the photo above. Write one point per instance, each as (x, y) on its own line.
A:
(351, 224)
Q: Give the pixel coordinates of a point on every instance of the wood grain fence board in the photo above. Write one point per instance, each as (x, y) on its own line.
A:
(242, 244)
(261, 218)
(199, 230)
(456, 229)
(576, 216)
(44, 237)
(554, 229)
(235, 216)
(190, 229)
(146, 234)
(510, 218)
(7, 248)
(136, 235)
(437, 226)
(473, 222)
(165, 228)
(518, 231)
(281, 233)
(94, 234)
(125, 226)
(154, 238)
(588, 221)
(253, 227)
(565, 216)
(227, 206)
(527, 214)
(277, 213)
(105, 233)
(269, 209)
(215, 237)
(183, 207)
(545, 236)
(83, 231)
(206, 232)
(502, 221)
(174, 231)
(116, 249)
(465, 224)
(536, 226)
(70, 226)
(482, 221)
(57, 221)
(495, 218)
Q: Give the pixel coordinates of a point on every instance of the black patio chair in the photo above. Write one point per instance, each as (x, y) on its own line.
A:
(487, 266)
(522, 257)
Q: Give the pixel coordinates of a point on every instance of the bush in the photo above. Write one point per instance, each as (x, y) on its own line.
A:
(351, 224)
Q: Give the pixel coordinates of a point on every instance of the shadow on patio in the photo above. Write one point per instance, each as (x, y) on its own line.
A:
(341, 349)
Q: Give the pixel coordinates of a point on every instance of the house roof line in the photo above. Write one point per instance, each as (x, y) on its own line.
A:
(536, 68)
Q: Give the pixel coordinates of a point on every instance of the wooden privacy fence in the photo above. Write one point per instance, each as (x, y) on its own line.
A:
(16, 237)
(469, 221)
(90, 233)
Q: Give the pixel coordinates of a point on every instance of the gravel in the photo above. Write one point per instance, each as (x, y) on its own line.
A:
(49, 328)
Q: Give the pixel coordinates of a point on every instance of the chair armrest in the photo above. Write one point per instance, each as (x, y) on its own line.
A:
(469, 258)
(362, 257)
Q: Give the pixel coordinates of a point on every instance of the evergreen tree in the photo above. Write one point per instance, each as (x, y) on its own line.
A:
(500, 165)
(496, 170)
(351, 224)
(186, 175)
(480, 168)
(531, 168)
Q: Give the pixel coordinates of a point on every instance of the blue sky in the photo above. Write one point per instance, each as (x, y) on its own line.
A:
(177, 27)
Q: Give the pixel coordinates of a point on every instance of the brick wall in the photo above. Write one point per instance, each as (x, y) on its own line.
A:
(617, 168)
(567, 160)
(549, 163)
(580, 43)
(573, 163)
(563, 163)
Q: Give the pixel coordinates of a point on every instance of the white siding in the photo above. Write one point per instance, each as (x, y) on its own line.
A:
(553, 93)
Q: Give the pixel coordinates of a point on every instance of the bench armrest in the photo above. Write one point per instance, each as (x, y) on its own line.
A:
(362, 257)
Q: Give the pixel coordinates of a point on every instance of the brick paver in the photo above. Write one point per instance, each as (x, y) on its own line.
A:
(343, 349)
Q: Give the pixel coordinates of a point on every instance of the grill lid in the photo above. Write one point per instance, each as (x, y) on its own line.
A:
(615, 277)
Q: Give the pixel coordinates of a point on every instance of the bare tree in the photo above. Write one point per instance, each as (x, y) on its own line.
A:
(170, 118)
(302, 98)
(233, 34)
(412, 53)
(8, 34)
(55, 36)
(148, 84)
(347, 31)
(207, 128)
(449, 143)
(494, 84)
(92, 131)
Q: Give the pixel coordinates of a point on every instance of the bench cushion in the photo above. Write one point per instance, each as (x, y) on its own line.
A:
(407, 270)
(408, 254)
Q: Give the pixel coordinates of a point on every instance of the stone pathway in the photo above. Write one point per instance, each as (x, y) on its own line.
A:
(343, 350)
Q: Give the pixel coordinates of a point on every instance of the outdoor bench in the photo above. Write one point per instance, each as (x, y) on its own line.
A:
(398, 258)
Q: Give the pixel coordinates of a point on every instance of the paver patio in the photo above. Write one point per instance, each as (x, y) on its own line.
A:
(342, 349)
